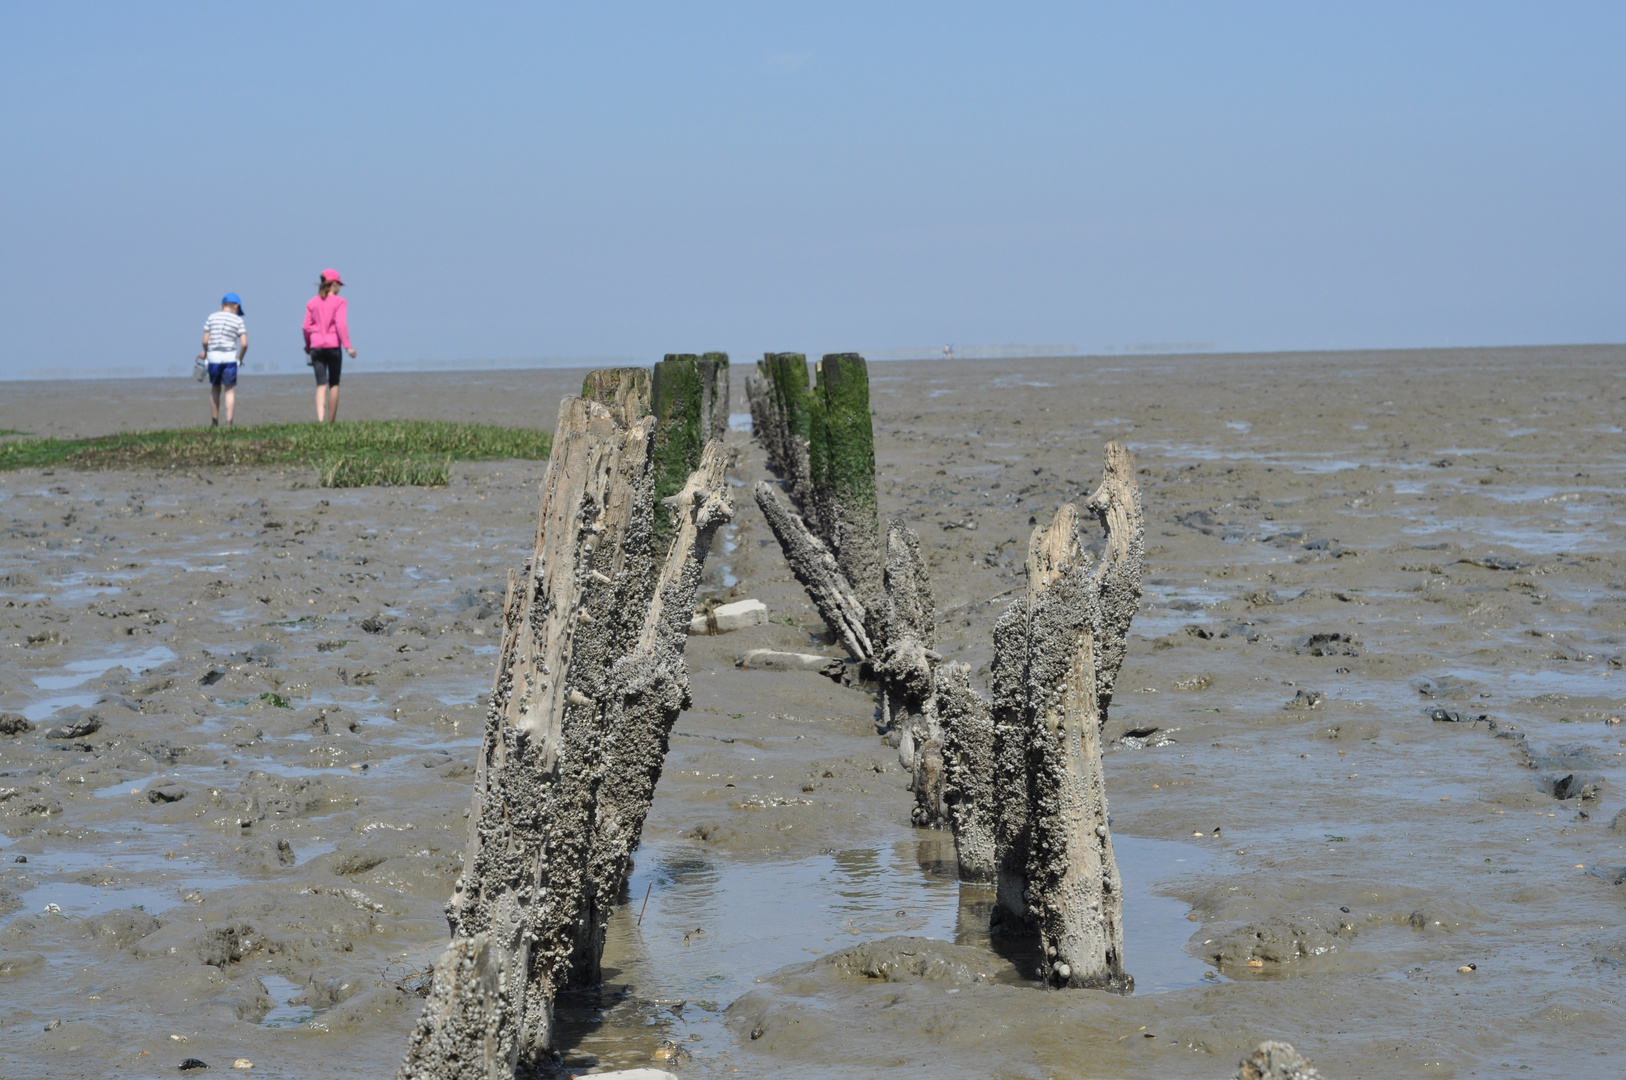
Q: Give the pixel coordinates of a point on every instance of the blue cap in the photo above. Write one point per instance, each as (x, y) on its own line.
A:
(233, 298)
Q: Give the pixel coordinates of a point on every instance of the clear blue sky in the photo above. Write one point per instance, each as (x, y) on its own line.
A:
(613, 179)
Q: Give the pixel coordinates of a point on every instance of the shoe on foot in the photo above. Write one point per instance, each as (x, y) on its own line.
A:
(214, 421)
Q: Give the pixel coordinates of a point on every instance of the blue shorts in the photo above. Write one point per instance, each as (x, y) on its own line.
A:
(223, 374)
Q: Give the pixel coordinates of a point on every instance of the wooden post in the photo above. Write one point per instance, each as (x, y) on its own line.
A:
(624, 390)
(676, 400)
(969, 799)
(785, 434)
(713, 369)
(583, 704)
(815, 567)
(1029, 775)
(841, 460)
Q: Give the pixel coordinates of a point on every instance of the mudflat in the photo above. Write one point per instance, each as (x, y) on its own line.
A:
(1364, 760)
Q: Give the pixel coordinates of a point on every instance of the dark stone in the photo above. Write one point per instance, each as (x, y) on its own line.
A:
(166, 793)
(14, 724)
(75, 726)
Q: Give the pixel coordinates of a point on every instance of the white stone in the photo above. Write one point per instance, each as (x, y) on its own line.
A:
(773, 660)
(735, 616)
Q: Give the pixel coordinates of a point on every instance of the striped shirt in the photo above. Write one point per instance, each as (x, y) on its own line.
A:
(224, 328)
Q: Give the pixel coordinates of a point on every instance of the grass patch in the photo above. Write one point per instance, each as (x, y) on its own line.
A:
(275, 699)
(344, 455)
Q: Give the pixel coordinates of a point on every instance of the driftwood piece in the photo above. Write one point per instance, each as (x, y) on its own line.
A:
(815, 567)
(583, 704)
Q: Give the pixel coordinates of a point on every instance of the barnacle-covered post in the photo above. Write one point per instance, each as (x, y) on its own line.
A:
(713, 370)
(1057, 651)
(590, 678)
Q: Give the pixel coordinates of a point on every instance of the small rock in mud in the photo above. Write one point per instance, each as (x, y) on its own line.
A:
(1443, 916)
(1306, 699)
(15, 964)
(357, 862)
(80, 723)
(1328, 645)
(14, 724)
(215, 944)
(192, 1063)
(1195, 683)
(1571, 786)
(1443, 687)
(121, 928)
(166, 793)
(1275, 1061)
(1271, 946)
(1450, 716)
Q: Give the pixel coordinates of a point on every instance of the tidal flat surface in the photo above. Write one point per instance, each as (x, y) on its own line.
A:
(251, 849)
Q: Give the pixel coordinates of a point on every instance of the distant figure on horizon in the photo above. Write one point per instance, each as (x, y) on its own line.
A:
(225, 343)
(327, 332)
(948, 352)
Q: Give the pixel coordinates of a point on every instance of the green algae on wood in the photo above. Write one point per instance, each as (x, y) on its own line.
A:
(841, 461)
(675, 402)
(624, 390)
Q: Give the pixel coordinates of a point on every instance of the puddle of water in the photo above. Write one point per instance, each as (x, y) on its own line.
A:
(1537, 540)
(77, 901)
(284, 1013)
(1529, 684)
(739, 421)
(833, 901)
(40, 710)
(1155, 927)
(89, 669)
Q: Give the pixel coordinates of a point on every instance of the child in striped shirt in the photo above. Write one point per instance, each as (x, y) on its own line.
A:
(225, 343)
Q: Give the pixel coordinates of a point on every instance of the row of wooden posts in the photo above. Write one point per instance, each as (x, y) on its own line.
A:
(591, 677)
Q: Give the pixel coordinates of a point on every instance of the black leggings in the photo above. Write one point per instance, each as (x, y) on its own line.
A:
(327, 363)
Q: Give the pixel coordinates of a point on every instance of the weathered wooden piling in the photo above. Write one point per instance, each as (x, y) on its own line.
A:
(1020, 779)
(1057, 651)
(783, 428)
(590, 678)
(713, 370)
(841, 464)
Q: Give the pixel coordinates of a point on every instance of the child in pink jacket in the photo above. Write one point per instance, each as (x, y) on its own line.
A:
(327, 338)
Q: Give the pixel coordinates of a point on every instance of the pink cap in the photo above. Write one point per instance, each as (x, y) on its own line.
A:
(331, 275)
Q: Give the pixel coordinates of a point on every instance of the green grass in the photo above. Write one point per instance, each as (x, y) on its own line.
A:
(343, 455)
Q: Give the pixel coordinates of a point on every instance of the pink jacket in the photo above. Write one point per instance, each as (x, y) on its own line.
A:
(325, 325)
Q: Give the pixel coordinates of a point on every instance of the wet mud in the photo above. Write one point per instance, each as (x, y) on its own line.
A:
(1364, 761)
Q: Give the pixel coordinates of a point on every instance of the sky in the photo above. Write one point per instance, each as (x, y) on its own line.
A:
(500, 182)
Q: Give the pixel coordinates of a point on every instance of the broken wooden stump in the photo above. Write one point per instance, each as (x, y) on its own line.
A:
(1019, 780)
(1057, 651)
(590, 678)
